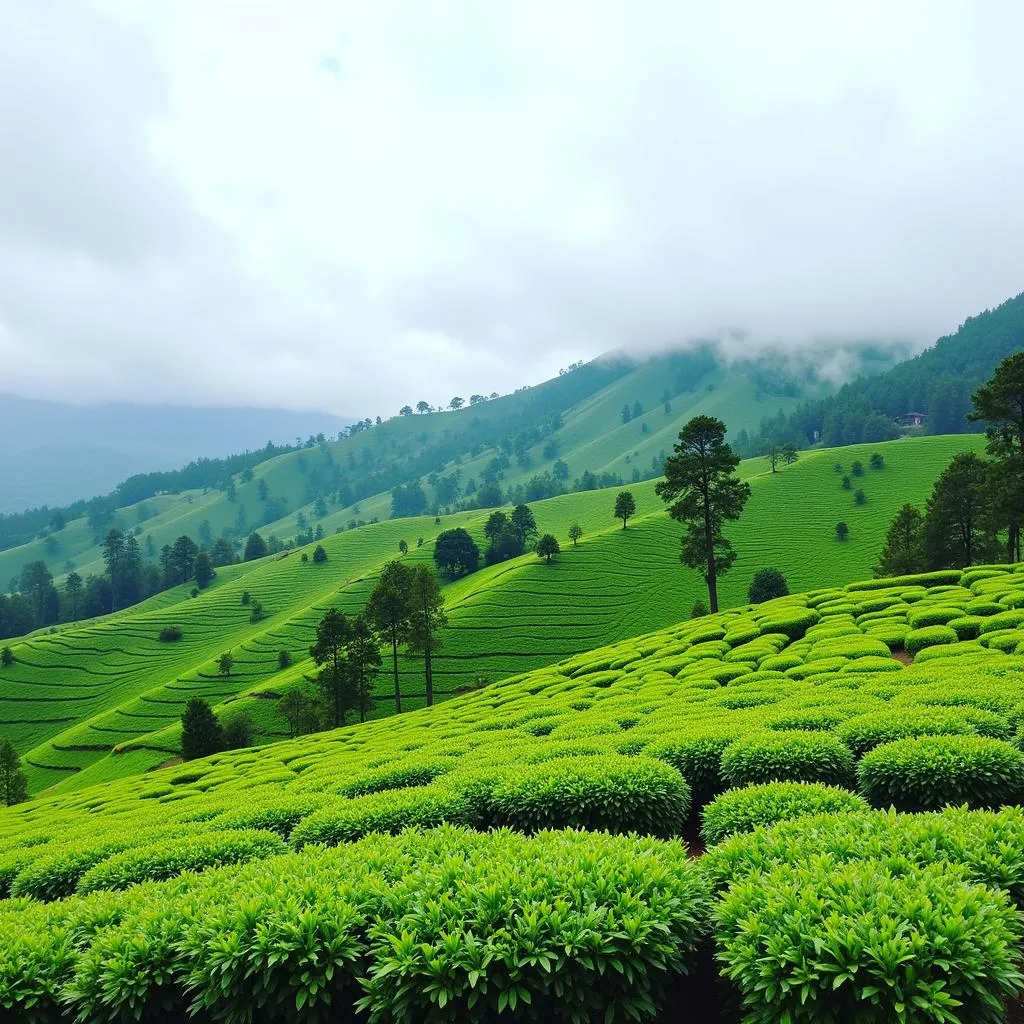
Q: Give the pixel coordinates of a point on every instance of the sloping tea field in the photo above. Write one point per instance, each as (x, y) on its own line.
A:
(74, 696)
(842, 755)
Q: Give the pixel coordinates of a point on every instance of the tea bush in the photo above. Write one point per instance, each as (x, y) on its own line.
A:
(740, 810)
(933, 771)
(866, 732)
(827, 942)
(928, 636)
(797, 756)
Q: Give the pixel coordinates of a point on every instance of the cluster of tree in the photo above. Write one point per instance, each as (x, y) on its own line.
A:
(508, 535)
(202, 733)
(937, 383)
(976, 507)
(408, 500)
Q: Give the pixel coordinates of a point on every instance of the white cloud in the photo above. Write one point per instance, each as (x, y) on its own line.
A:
(357, 205)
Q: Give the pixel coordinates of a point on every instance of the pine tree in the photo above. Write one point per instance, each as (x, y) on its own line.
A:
(903, 552)
(704, 494)
(957, 530)
(201, 733)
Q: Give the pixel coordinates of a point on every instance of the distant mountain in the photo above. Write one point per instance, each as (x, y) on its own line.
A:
(54, 453)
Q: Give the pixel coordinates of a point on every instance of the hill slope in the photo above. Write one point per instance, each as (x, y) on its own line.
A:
(72, 697)
(625, 738)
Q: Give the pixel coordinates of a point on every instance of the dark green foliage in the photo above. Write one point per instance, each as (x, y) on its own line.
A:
(319, 554)
(238, 731)
(170, 634)
(877, 461)
(957, 531)
(842, 531)
(226, 662)
(865, 732)
(904, 545)
(13, 786)
(426, 617)
(332, 634)
(305, 556)
(857, 927)
(767, 584)
(625, 506)
(246, 597)
(797, 756)
(256, 612)
(699, 610)
(740, 810)
(388, 611)
(6, 657)
(200, 731)
(408, 500)
(456, 553)
(859, 497)
(203, 574)
(548, 546)
(301, 710)
(847, 483)
(930, 772)
(857, 467)
(703, 494)
(614, 794)
(575, 532)
(697, 756)
(255, 547)
(284, 659)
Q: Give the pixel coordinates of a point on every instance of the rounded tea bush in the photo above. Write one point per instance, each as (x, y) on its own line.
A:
(930, 772)
(865, 732)
(928, 636)
(798, 756)
(823, 942)
(610, 793)
(741, 810)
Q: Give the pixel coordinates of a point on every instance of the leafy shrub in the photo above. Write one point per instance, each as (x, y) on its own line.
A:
(793, 624)
(854, 929)
(238, 731)
(766, 585)
(934, 771)
(390, 811)
(615, 794)
(697, 756)
(928, 636)
(173, 856)
(398, 776)
(865, 732)
(319, 554)
(1004, 620)
(797, 756)
(246, 597)
(740, 810)
(931, 615)
(284, 659)
(170, 634)
(966, 627)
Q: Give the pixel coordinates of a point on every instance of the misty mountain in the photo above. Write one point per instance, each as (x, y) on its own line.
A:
(54, 453)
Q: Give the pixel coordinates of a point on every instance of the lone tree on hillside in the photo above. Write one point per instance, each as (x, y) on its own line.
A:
(426, 617)
(226, 662)
(456, 403)
(255, 547)
(201, 733)
(319, 554)
(13, 785)
(957, 527)
(857, 467)
(422, 407)
(332, 633)
(766, 585)
(406, 410)
(456, 553)
(523, 524)
(575, 532)
(388, 611)
(625, 506)
(790, 454)
(547, 546)
(903, 552)
(704, 494)
(403, 547)
(6, 657)
(877, 461)
(842, 531)
(999, 403)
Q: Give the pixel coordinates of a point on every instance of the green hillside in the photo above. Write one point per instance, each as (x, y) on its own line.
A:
(73, 696)
(809, 715)
(354, 476)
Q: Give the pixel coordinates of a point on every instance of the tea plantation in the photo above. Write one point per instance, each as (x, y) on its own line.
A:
(72, 697)
(846, 762)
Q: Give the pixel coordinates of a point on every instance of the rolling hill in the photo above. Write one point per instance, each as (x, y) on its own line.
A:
(518, 852)
(75, 695)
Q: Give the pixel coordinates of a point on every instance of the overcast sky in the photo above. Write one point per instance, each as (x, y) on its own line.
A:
(354, 205)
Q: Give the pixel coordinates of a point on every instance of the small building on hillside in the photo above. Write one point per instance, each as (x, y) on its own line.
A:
(911, 419)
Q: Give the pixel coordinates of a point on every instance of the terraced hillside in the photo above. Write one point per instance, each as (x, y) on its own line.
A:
(576, 418)
(72, 697)
(784, 731)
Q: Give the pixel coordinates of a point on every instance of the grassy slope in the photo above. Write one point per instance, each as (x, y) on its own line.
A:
(593, 437)
(74, 695)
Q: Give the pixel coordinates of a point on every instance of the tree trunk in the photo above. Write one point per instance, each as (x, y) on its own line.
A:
(394, 661)
(429, 674)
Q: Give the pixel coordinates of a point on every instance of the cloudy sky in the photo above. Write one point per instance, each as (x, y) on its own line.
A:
(354, 205)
